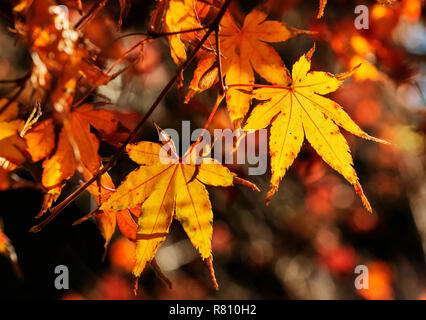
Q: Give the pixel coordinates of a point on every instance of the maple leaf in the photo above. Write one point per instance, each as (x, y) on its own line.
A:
(177, 16)
(243, 50)
(301, 110)
(3, 242)
(4, 179)
(166, 187)
(77, 147)
(58, 50)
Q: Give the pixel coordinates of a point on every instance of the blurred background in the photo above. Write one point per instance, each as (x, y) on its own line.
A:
(314, 233)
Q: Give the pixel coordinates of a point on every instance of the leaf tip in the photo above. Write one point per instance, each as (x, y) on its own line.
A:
(209, 262)
(387, 143)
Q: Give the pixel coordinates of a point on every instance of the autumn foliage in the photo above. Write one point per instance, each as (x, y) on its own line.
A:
(61, 131)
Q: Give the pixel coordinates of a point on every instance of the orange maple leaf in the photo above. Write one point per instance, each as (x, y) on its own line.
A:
(12, 147)
(243, 50)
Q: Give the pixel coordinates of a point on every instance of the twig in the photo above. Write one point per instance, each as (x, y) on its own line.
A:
(17, 80)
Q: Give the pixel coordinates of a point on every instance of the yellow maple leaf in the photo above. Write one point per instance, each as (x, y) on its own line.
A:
(166, 190)
(300, 110)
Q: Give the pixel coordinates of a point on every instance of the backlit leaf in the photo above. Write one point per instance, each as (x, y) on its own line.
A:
(246, 49)
(300, 110)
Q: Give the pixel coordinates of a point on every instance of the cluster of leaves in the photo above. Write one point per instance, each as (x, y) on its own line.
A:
(63, 131)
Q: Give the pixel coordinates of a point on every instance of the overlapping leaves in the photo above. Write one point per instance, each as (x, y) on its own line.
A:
(12, 146)
(242, 49)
